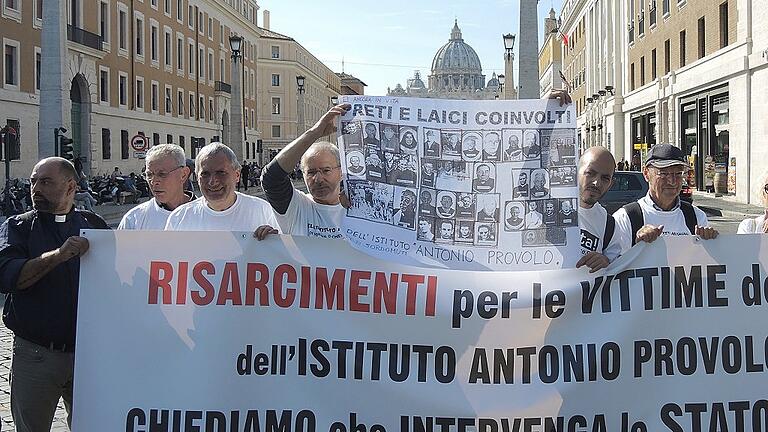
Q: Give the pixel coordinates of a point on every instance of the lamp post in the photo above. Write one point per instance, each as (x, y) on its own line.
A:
(236, 104)
(509, 92)
(501, 78)
(300, 81)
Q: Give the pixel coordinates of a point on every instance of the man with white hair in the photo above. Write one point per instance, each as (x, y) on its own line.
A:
(319, 213)
(222, 208)
(166, 173)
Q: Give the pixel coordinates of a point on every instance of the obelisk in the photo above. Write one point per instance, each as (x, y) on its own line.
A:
(528, 61)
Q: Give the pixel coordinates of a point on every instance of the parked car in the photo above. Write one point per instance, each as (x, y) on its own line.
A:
(630, 186)
(627, 186)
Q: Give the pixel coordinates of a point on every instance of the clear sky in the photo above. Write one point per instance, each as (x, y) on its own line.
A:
(383, 42)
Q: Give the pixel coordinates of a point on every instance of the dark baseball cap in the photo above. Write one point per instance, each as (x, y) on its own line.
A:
(665, 155)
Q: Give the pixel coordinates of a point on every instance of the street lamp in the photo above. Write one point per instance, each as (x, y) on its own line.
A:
(334, 100)
(501, 82)
(300, 81)
(509, 43)
(236, 132)
(509, 59)
(235, 42)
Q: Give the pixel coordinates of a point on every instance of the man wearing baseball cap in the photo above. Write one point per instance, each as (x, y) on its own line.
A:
(661, 212)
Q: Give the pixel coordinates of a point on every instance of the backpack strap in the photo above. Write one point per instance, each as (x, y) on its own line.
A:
(636, 218)
(690, 216)
(610, 227)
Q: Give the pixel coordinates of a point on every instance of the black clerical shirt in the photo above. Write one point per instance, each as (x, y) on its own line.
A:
(45, 313)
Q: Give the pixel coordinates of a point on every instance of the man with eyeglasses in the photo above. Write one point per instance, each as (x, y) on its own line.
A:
(166, 173)
(661, 212)
(222, 208)
(319, 213)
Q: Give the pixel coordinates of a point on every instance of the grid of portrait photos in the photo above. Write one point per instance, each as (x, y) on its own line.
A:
(443, 183)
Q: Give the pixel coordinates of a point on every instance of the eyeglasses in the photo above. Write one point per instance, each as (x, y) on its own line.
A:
(671, 175)
(161, 175)
(325, 172)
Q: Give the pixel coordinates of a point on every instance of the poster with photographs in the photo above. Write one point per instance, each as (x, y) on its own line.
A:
(475, 185)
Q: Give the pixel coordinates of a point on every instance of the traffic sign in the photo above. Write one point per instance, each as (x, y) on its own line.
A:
(140, 143)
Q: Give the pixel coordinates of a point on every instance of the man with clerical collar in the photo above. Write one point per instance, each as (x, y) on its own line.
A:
(222, 208)
(550, 217)
(166, 172)
(425, 203)
(447, 208)
(483, 182)
(470, 147)
(539, 190)
(389, 140)
(513, 151)
(567, 215)
(431, 146)
(355, 165)
(521, 190)
(514, 221)
(491, 146)
(370, 135)
(40, 254)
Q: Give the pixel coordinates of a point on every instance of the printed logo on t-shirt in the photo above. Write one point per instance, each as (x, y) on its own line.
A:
(589, 241)
(327, 232)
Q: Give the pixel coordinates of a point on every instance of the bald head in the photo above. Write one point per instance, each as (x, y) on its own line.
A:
(65, 167)
(597, 154)
(596, 168)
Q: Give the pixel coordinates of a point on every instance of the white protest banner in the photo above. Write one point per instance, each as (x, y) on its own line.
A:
(283, 336)
(458, 184)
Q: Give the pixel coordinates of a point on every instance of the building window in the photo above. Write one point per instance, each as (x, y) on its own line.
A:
(124, 144)
(180, 103)
(39, 9)
(123, 90)
(169, 139)
(139, 36)
(275, 52)
(632, 77)
(181, 141)
(191, 108)
(665, 7)
(168, 54)
(104, 21)
(191, 59)
(221, 69)
(123, 29)
(201, 108)
(11, 65)
(653, 65)
(275, 131)
(210, 27)
(139, 93)
(652, 13)
(211, 113)
(667, 62)
(682, 48)
(155, 97)
(275, 105)
(201, 60)
(38, 66)
(168, 107)
(641, 22)
(724, 25)
(180, 10)
(106, 144)
(167, 7)
(275, 80)
(155, 43)
(210, 65)
(155, 139)
(642, 71)
(180, 54)
(104, 85)
(702, 38)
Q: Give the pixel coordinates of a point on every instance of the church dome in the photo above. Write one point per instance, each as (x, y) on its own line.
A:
(493, 83)
(456, 56)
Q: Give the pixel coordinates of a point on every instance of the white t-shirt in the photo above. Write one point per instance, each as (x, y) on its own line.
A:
(752, 225)
(673, 221)
(592, 226)
(146, 216)
(305, 217)
(247, 214)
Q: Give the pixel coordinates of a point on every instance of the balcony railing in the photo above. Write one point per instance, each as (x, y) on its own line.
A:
(222, 87)
(84, 37)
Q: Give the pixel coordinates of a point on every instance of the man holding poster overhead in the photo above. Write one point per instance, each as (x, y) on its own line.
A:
(319, 213)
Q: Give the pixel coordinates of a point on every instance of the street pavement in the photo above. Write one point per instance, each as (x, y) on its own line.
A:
(723, 212)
